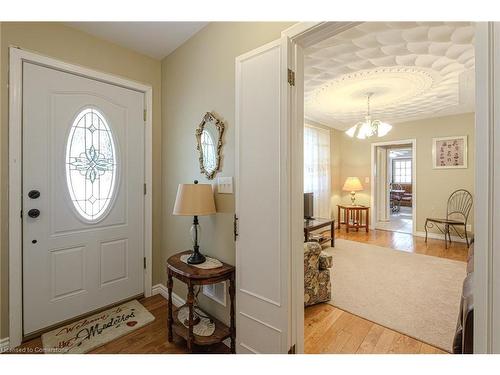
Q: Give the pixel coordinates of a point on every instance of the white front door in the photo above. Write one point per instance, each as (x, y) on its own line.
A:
(83, 202)
(263, 248)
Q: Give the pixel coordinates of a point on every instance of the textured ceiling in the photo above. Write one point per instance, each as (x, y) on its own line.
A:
(415, 70)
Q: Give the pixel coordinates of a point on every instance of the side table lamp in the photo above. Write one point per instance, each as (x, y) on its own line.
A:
(353, 185)
(195, 200)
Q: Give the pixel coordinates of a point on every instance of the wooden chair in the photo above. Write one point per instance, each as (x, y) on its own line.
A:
(457, 213)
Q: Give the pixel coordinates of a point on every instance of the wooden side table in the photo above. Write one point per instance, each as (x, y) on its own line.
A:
(353, 216)
(314, 224)
(193, 276)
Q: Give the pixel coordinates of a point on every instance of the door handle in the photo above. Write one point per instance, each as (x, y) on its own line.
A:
(34, 213)
(34, 194)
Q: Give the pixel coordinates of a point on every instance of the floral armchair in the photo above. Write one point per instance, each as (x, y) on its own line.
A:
(317, 284)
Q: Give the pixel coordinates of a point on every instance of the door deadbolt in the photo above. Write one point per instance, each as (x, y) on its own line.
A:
(34, 213)
(34, 194)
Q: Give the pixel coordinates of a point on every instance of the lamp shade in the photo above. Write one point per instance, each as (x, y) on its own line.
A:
(194, 200)
(352, 184)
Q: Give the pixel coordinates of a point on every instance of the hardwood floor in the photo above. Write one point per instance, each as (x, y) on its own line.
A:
(407, 242)
(328, 329)
(151, 338)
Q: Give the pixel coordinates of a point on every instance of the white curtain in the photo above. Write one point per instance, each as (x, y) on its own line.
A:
(317, 174)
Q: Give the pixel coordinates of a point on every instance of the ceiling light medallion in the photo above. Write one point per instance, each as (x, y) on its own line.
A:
(369, 128)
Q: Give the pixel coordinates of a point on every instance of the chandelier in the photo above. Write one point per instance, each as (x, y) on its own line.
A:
(369, 127)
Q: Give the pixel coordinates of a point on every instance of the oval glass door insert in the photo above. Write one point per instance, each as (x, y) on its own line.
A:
(91, 164)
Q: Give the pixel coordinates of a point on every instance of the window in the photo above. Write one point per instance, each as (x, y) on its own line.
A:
(317, 169)
(90, 164)
(401, 171)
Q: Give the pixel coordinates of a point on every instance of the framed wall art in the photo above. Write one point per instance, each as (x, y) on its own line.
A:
(449, 152)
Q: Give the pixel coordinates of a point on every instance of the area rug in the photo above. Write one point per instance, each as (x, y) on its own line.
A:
(96, 330)
(417, 295)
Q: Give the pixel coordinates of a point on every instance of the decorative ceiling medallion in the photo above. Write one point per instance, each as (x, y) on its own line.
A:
(434, 59)
(390, 85)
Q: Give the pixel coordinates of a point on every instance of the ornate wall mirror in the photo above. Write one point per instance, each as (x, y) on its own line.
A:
(209, 144)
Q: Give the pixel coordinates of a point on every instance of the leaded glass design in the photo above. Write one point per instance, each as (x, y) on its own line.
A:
(208, 148)
(90, 164)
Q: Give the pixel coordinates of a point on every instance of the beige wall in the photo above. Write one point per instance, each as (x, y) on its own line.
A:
(433, 185)
(199, 77)
(67, 44)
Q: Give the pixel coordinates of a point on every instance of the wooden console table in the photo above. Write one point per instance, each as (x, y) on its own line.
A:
(314, 224)
(192, 276)
(353, 216)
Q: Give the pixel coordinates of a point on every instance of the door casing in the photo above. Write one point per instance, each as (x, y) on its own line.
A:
(16, 58)
(373, 177)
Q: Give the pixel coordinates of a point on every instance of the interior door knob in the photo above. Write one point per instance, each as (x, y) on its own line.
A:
(34, 213)
(34, 194)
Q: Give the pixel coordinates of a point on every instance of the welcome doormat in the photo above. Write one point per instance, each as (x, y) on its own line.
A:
(96, 330)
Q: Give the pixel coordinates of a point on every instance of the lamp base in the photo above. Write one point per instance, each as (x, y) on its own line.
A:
(353, 198)
(196, 258)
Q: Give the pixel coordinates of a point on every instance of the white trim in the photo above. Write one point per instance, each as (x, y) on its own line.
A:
(487, 184)
(306, 34)
(297, 196)
(163, 290)
(4, 345)
(484, 187)
(494, 117)
(16, 59)
(438, 236)
(300, 36)
(373, 202)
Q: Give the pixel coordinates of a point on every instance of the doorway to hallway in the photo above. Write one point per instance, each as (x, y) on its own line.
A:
(393, 174)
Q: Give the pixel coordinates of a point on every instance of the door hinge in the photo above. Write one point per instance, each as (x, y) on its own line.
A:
(145, 189)
(144, 262)
(235, 227)
(145, 115)
(292, 349)
(291, 77)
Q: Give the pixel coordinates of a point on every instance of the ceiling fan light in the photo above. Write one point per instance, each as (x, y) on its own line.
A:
(383, 128)
(365, 130)
(369, 127)
(351, 131)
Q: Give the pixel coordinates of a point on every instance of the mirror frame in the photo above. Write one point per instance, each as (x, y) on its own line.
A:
(210, 117)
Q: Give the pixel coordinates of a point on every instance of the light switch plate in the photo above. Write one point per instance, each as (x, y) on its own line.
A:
(225, 185)
(367, 180)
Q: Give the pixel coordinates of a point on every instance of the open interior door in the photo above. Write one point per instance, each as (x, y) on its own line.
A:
(263, 248)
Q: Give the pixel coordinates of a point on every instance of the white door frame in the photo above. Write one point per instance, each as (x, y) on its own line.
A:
(373, 200)
(487, 185)
(300, 35)
(487, 261)
(17, 57)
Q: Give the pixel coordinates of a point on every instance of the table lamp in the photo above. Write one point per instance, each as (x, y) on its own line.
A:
(195, 200)
(353, 185)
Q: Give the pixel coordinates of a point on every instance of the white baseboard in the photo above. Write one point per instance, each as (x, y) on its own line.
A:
(439, 236)
(4, 344)
(162, 289)
(177, 301)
